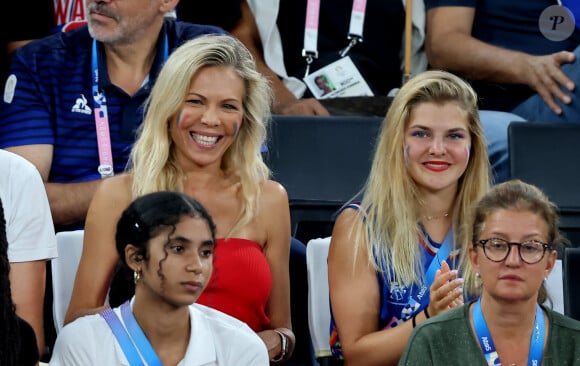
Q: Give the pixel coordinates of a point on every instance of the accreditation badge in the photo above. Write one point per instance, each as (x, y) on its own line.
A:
(338, 79)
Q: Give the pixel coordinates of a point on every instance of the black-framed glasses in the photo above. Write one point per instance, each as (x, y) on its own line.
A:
(497, 250)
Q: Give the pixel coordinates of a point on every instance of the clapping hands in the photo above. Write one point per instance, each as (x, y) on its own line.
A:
(446, 292)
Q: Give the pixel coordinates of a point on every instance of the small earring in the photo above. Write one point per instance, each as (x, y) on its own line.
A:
(477, 274)
(136, 276)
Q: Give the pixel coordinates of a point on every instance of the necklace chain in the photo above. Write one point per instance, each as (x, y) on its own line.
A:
(433, 217)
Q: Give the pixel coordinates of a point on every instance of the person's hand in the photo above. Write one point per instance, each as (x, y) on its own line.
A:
(446, 292)
(543, 74)
(302, 107)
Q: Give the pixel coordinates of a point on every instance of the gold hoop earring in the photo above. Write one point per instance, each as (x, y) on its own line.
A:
(136, 276)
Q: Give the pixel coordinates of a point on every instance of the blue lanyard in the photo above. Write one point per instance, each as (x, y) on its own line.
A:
(442, 254)
(122, 337)
(101, 115)
(138, 336)
(488, 348)
(134, 338)
(419, 296)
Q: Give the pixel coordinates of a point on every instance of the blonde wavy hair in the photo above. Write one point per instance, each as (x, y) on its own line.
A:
(152, 160)
(390, 228)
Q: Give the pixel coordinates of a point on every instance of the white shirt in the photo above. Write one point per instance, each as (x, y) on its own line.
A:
(216, 339)
(29, 226)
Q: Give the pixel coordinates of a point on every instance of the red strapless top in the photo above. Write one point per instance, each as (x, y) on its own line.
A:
(241, 282)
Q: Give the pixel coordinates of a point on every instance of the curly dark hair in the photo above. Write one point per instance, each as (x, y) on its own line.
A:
(141, 221)
(9, 329)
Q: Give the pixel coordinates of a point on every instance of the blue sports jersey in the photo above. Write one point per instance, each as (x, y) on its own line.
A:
(48, 100)
(396, 305)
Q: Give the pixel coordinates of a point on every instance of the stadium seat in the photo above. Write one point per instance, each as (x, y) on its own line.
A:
(571, 269)
(322, 162)
(546, 155)
(64, 270)
(555, 288)
(318, 297)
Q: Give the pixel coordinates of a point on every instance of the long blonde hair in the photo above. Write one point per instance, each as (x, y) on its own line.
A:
(390, 226)
(152, 161)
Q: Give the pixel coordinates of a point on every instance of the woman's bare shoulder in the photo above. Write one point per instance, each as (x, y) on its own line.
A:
(116, 187)
(112, 194)
(273, 191)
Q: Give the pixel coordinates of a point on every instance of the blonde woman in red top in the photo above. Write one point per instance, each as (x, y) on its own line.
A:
(205, 122)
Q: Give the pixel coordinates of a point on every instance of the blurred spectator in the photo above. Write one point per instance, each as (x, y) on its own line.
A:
(378, 57)
(17, 340)
(65, 87)
(516, 58)
(30, 234)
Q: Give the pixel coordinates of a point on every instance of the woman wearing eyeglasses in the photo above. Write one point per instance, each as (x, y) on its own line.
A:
(515, 232)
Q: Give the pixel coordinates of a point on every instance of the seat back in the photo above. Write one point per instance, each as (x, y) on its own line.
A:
(64, 270)
(571, 268)
(322, 162)
(555, 288)
(318, 296)
(546, 155)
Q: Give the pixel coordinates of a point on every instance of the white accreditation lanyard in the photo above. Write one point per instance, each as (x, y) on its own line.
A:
(355, 32)
(488, 348)
(105, 168)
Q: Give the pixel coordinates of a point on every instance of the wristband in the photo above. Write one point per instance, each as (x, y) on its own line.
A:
(284, 347)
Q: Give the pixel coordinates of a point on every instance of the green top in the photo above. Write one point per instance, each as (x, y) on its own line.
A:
(447, 339)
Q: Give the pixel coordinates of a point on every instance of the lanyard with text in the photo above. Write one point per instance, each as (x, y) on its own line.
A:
(355, 32)
(105, 168)
(486, 343)
(420, 295)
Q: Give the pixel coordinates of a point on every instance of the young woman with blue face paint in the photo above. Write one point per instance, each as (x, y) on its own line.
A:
(205, 123)
(394, 256)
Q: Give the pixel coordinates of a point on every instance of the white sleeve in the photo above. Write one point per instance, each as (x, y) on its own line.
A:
(29, 225)
(75, 346)
(418, 56)
(248, 349)
(266, 14)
